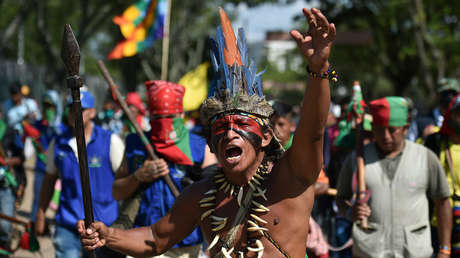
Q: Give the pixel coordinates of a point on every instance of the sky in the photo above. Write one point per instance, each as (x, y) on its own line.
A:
(256, 21)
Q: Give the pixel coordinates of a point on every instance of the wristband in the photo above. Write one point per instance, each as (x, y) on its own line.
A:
(330, 74)
(444, 249)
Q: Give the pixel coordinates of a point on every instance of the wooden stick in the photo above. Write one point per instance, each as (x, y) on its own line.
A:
(138, 129)
(165, 51)
(359, 155)
(14, 220)
(362, 185)
(70, 54)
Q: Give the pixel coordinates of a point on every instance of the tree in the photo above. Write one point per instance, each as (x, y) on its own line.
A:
(414, 43)
(44, 22)
(191, 24)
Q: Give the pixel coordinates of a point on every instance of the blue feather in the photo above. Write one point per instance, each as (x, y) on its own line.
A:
(232, 78)
(212, 53)
(213, 88)
(250, 77)
(246, 72)
(258, 80)
(258, 86)
(236, 76)
(215, 67)
(222, 64)
(242, 47)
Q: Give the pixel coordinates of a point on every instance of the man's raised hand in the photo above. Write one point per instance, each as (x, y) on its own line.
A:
(316, 45)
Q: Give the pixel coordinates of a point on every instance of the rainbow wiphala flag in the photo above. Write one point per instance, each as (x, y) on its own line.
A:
(140, 24)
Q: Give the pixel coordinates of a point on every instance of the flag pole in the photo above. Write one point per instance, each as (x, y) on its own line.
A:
(165, 52)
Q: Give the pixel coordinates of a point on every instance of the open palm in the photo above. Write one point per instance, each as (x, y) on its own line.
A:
(316, 45)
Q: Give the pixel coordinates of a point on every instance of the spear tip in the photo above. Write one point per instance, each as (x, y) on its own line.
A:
(70, 51)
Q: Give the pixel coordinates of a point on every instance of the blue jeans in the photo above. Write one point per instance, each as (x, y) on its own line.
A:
(38, 180)
(342, 234)
(7, 208)
(67, 245)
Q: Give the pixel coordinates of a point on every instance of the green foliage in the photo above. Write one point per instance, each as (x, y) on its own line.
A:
(192, 22)
(290, 96)
(252, 3)
(273, 74)
(414, 43)
(43, 27)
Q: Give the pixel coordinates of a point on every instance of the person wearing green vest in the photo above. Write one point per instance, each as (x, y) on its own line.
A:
(399, 175)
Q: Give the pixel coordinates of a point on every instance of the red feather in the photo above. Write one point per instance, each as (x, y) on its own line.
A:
(231, 53)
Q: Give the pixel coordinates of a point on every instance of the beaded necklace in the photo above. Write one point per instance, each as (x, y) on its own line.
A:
(255, 224)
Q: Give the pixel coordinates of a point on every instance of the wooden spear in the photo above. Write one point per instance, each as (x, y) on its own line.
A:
(70, 54)
(14, 220)
(358, 121)
(131, 118)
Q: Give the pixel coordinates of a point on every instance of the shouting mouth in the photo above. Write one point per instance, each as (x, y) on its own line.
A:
(233, 154)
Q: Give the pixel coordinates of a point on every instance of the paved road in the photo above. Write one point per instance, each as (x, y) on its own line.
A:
(46, 246)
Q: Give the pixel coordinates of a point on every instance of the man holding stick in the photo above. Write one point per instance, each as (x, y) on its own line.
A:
(259, 202)
(181, 152)
(400, 176)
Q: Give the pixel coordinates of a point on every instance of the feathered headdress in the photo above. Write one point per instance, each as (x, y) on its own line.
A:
(237, 87)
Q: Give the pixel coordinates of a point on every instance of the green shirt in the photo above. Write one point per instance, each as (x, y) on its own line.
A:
(2, 129)
(289, 142)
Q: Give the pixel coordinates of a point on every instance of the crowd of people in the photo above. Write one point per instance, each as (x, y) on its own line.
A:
(257, 178)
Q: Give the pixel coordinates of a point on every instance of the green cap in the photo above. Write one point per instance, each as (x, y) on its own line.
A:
(389, 111)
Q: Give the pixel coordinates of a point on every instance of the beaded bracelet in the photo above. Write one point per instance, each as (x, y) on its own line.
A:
(330, 74)
(445, 249)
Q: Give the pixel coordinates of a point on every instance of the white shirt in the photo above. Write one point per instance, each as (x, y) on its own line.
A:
(17, 113)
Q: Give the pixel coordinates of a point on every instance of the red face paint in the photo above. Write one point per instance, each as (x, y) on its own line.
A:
(245, 126)
(237, 123)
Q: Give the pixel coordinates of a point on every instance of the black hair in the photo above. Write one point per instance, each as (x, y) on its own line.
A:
(445, 97)
(281, 109)
(15, 88)
(344, 101)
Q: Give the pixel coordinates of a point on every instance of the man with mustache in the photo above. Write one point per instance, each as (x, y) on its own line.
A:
(400, 176)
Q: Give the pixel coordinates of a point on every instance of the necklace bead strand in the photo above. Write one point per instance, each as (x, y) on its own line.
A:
(254, 222)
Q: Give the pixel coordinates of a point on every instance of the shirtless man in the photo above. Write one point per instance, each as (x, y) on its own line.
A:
(259, 204)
